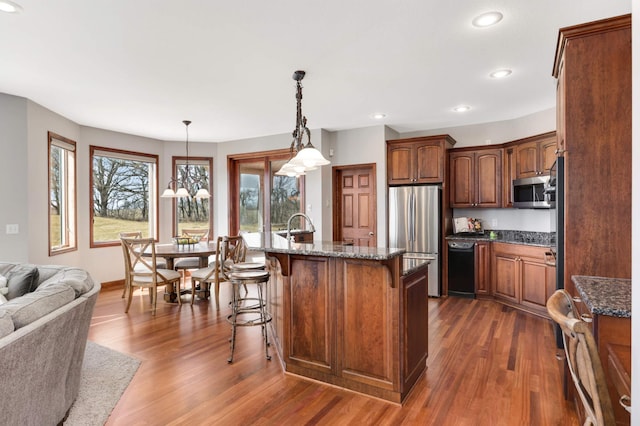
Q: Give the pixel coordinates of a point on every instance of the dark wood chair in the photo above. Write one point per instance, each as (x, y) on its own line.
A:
(583, 360)
(229, 252)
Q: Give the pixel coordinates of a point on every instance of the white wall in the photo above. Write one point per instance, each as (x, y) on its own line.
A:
(498, 131)
(362, 146)
(14, 178)
(538, 220)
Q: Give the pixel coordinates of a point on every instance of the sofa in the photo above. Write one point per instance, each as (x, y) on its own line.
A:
(45, 313)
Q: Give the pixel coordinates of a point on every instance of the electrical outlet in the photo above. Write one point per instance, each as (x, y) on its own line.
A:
(494, 223)
(13, 228)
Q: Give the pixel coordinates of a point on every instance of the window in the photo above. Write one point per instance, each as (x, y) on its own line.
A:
(192, 213)
(62, 195)
(261, 200)
(124, 193)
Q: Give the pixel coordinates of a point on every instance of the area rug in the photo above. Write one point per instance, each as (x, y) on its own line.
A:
(105, 375)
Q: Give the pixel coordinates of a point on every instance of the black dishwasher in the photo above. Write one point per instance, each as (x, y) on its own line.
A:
(461, 268)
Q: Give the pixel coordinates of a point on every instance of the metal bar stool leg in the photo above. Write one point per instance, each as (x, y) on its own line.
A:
(263, 318)
(234, 314)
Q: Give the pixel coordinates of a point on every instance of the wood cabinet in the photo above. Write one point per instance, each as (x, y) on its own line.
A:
(521, 277)
(483, 269)
(593, 68)
(526, 157)
(609, 333)
(535, 156)
(415, 295)
(417, 160)
(508, 175)
(351, 322)
(476, 178)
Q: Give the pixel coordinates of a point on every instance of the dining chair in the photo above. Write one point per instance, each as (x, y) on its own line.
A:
(142, 271)
(229, 251)
(161, 263)
(185, 263)
(583, 360)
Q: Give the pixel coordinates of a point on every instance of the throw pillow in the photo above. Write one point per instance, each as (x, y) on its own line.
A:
(21, 280)
(4, 290)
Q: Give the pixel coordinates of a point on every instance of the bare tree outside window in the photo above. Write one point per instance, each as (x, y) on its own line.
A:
(123, 193)
(192, 213)
(62, 194)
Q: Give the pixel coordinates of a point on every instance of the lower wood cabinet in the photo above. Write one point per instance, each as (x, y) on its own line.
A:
(610, 333)
(521, 277)
(353, 323)
(483, 269)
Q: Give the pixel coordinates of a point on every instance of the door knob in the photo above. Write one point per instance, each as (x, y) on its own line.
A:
(371, 234)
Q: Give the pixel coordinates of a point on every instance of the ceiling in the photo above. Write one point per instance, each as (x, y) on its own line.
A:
(141, 67)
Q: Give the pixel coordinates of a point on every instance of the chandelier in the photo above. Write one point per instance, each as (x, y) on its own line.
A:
(304, 157)
(187, 181)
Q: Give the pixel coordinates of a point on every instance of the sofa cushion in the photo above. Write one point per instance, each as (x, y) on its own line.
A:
(6, 324)
(22, 279)
(78, 279)
(28, 308)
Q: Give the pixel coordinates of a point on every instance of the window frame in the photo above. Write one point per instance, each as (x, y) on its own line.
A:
(177, 161)
(70, 203)
(153, 189)
(233, 170)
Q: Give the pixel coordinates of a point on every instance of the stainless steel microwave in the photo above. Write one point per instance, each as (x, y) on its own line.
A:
(531, 193)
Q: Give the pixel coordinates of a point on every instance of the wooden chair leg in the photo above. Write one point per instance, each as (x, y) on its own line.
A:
(217, 290)
(130, 291)
(193, 289)
(154, 297)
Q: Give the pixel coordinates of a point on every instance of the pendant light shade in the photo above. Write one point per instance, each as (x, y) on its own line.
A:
(182, 191)
(304, 157)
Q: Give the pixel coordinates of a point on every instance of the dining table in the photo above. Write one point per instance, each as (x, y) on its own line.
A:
(171, 251)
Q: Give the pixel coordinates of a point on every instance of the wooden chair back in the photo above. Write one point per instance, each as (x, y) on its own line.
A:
(135, 263)
(203, 233)
(132, 234)
(583, 359)
(230, 250)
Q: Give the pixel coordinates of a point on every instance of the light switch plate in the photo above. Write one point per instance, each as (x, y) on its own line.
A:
(13, 228)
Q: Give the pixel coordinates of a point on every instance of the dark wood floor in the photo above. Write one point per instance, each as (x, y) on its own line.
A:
(487, 365)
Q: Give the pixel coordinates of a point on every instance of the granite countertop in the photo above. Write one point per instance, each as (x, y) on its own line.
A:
(605, 296)
(411, 265)
(538, 239)
(274, 243)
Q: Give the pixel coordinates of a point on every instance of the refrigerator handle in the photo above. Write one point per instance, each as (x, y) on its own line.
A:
(412, 217)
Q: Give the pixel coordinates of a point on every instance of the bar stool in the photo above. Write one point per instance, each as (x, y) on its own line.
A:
(248, 311)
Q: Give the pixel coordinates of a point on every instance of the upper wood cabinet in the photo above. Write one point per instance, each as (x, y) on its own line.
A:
(476, 178)
(534, 156)
(417, 160)
(526, 157)
(593, 65)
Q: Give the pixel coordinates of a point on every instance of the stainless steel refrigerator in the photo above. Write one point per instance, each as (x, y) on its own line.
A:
(414, 224)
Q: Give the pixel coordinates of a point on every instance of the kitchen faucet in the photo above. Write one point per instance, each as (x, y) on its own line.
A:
(312, 228)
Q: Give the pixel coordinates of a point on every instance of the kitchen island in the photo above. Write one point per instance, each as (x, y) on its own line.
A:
(346, 315)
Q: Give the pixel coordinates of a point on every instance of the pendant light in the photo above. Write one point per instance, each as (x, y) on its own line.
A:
(182, 191)
(304, 157)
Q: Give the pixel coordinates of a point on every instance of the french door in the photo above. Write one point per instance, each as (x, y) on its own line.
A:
(260, 200)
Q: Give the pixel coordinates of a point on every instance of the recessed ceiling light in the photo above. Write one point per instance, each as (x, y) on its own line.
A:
(501, 73)
(462, 108)
(10, 7)
(378, 116)
(487, 19)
